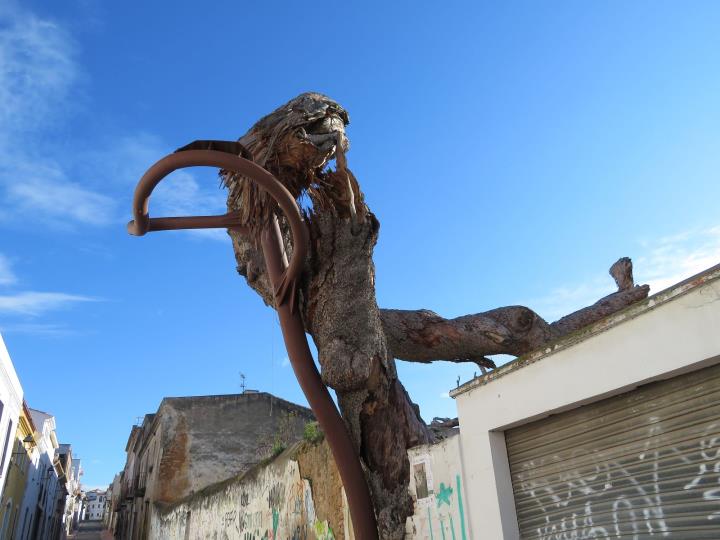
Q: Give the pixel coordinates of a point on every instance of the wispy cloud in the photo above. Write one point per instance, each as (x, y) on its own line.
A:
(39, 80)
(285, 362)
(38, 76)
(34, 303)
(36, 329)
(675, 258)
(42, 192)
(660, 263)
(564, 300)
(37, 70)
(186, 192)
(19, 305)
(182, 195)
(7, 276)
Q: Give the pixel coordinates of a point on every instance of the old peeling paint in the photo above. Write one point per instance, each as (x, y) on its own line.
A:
(437, 490)
(290, 498)
(271, 502)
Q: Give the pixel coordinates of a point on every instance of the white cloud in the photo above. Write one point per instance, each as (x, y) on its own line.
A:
(659, 263)
(181, 195)
(187, 192)
(42, 193)
(285, 362)
(564, 300)
(38, 76)
(7, 276)
(35, 303)
(39, 79)
(37, 70)
(36, 329)
(672, 259)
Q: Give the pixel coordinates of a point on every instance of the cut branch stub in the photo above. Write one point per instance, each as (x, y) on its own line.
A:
(622, 273)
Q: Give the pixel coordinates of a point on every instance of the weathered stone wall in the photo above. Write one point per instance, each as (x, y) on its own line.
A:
(207, 439)
(275, 501)
(299, 496)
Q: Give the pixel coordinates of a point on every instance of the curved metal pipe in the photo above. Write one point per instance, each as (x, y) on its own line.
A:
(284, 279)
(142, 223)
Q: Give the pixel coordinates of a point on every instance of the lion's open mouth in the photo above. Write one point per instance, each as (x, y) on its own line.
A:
(323, 121)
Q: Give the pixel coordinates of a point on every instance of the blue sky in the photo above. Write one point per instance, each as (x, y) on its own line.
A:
(511, 150)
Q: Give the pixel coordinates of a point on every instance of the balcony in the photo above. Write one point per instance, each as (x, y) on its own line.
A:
(140, 484)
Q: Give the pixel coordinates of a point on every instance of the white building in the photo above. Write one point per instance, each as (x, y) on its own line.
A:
(78, 504)
(11, 396)
(40, 516)
(613, 432)
(95, 506)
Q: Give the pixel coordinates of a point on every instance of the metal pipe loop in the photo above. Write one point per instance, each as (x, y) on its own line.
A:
(142, 223)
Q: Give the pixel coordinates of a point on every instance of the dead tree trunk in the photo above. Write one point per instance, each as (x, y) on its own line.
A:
(357, 341)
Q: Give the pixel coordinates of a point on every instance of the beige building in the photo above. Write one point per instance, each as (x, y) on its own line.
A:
(17, 475)
(613, 432)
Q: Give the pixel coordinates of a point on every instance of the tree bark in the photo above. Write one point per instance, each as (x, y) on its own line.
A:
(424, 336)
(358, 342)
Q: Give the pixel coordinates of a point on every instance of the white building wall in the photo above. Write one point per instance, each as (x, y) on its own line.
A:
(11, 395)
(675, 331)
(42, 485)
(32, 492)
(438, 491)
(95, 506)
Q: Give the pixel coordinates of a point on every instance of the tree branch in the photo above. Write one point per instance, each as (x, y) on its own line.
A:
(423, 336)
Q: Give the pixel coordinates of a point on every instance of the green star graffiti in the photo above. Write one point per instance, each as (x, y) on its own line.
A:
(443, 496)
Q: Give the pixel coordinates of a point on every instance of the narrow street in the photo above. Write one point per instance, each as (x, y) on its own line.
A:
(91, 530)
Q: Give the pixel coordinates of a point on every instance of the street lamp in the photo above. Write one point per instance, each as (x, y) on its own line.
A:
(284, 277)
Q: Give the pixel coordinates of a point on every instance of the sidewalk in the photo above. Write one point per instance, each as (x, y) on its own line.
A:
(91, 530)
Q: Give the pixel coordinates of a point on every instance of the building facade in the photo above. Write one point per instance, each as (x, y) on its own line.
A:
(96, 500)
(17, 474)
(11, 400)
(36, 473)
(194, 442)
(114, 501)
(45, 489)
(75, 505)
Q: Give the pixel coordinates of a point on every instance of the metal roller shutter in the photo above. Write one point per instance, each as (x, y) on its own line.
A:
(641, 465)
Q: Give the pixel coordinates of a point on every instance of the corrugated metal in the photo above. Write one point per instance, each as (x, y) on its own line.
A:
(642, 465)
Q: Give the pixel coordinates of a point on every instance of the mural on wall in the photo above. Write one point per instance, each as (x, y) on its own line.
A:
(436, 486)
(649, 493)
(275, 504)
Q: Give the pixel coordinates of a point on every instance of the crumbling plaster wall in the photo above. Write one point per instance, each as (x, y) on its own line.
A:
(208, 439)
(437, 488)
(299, 496)
(272, 501)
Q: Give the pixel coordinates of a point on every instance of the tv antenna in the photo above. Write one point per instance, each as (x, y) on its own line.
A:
(242, 382)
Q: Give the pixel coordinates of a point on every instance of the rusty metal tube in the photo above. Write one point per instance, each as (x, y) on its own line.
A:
(318, 396)
(227, 221)
(284, 279)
